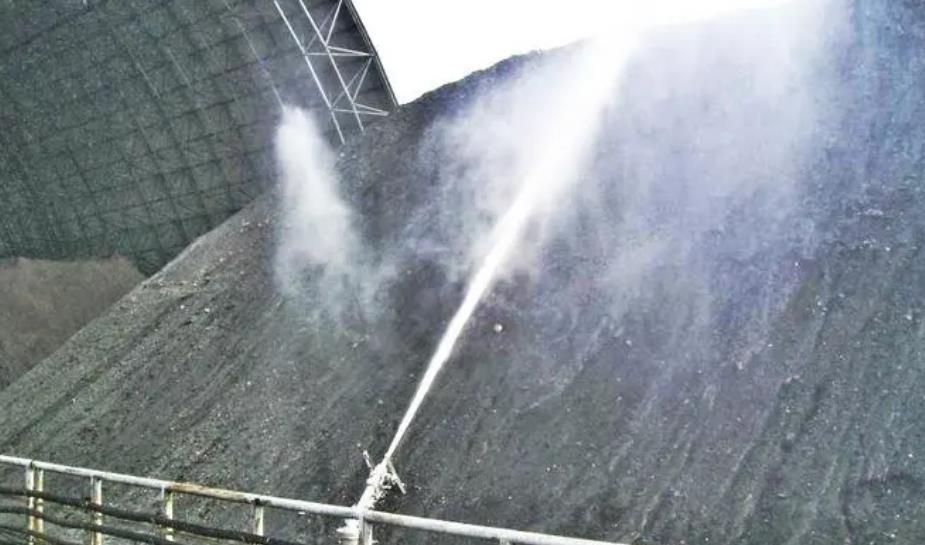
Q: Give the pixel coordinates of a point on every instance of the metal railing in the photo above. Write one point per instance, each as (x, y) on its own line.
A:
(34, 498)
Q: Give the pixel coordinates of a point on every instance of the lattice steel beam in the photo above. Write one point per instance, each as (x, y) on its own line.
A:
(347, 90)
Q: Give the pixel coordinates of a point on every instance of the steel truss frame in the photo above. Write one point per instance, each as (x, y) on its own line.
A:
(343, 98)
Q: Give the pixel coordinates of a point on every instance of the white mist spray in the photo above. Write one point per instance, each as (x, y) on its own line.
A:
(548, 158)
(318, 245)
(554, 160)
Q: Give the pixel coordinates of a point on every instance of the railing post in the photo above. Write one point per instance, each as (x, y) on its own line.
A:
(30, 504)
(366, 532)
(349, 533)
(39, 502)
(167, 512)
(96, 498)
(257, 527)
(356, 530)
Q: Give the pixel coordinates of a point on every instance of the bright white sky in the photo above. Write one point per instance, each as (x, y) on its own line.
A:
(426, 43)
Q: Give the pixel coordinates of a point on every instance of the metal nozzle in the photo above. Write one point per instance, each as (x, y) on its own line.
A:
(382, 478)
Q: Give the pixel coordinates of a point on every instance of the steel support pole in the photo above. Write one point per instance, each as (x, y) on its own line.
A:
(30, 504)
(96, 498)
(257, 522)
(39, 502)
(355, 516)
(167, 512)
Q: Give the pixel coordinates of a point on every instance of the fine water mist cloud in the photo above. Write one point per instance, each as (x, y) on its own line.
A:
(718, 127)
(319, 251)
(682, 195)
(526, 133)
(697, 194)
(708, 116)
(672, 158)
(541, 165)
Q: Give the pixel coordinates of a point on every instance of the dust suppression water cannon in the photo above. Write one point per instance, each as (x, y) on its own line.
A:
(382, 478)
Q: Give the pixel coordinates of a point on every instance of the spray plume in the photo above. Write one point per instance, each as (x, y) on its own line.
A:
(548, 161)
(554, 160)
(545, 157)
(319, 249)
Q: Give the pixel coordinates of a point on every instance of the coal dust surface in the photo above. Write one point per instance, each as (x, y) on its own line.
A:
(718, 338)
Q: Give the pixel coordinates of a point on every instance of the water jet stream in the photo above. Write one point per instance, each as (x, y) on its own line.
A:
(553, 161)
(554, 164)
(586, 83)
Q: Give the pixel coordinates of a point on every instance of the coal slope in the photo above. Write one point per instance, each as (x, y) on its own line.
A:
(42, 303)
(683, 367)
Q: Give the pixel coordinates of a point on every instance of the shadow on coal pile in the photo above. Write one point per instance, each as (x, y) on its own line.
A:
(43, 303)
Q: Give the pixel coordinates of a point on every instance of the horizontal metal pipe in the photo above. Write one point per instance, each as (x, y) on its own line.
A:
(158, 520)
(8, 542)
(36, 535)
(186, 488)
(418, 523)
(474, 530)
(94, 528)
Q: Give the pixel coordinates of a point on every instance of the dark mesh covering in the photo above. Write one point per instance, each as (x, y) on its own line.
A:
(134, 126)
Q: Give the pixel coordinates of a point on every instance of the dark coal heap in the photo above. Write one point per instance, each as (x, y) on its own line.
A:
(686, 366)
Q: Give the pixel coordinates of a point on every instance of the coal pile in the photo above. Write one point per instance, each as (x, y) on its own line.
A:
(739, 367)
(43, 303)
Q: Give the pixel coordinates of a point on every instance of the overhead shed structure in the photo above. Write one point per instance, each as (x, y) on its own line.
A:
(132, 127)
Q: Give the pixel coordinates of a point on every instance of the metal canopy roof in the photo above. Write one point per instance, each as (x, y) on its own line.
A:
(134, 126)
